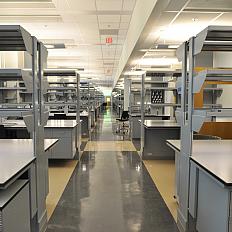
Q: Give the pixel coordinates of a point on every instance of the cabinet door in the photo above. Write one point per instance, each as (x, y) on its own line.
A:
(16, 215)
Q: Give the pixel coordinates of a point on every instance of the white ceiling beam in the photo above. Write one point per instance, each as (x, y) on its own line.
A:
(145, 18)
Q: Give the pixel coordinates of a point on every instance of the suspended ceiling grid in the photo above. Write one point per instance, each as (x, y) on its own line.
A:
(82, 26)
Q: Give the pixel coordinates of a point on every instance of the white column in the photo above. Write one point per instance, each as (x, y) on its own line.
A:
(126, 93)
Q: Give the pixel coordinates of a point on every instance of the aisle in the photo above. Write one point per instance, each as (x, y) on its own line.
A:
(110, 190)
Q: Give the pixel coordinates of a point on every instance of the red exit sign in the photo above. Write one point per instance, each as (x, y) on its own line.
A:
(109, 40)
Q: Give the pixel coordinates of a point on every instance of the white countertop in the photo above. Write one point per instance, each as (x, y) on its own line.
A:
(17, 154)
(50, 124)
(61, 123)
(160, 123)
(214, 156)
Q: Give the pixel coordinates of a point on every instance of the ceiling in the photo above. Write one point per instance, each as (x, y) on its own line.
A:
(82, 26)
(178, 21)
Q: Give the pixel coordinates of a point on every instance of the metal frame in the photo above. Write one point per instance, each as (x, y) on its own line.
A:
(15, 38)
(143, 94)
(76, 103)
(213, 38)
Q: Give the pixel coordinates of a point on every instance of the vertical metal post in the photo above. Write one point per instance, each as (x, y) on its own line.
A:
(186, 133)
(126, 93)
(142, 113)
(38, 135)
(88, 99)
(130, 104)
(78, 134)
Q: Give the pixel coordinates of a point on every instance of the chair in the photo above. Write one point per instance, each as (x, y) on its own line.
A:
(124, 118)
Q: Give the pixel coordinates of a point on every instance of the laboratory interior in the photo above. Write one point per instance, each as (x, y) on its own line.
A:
(115, 115)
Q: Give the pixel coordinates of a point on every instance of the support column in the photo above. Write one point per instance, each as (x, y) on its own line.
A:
(126, 93)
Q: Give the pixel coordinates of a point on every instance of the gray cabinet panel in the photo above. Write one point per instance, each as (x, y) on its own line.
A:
(16, 214)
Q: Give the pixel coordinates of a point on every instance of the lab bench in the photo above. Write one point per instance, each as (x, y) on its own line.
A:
(136, 126)
(156, 132)
(63, 130)
(210, 188)
(18, 204)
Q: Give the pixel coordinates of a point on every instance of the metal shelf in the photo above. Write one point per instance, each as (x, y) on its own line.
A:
(61, 88)
(164, 104)
(214, 38)
(200, 115)
(18, 74)
(16, 112)
(60, 72)
(15, 38)
(211, 75)
(162, 88)
(213, 89)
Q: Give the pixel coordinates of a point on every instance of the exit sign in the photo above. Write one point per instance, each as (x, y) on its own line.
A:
(109, 40)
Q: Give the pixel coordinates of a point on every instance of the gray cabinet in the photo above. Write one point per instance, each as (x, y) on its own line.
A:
(66, 146)
(15, 207)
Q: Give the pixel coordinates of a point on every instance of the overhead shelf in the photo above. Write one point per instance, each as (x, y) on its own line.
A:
(16, 112)
(213, 89)
(214, 38)
(162, 88)
(163, 73)
(18, 74)
(62, 88)
(164, 104)
(60, 72)
(200, 115)
(15, 38)
(224, 75)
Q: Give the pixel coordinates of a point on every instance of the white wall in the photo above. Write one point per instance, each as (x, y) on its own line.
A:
(224, 60)
(11, 60)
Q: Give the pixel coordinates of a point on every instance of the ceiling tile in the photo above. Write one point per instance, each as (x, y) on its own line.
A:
(80, 4)
(210, 4)
(109, 5)
(125, 18)
(224, 20)
(109, 18)
(124, 25)
(129, 5)
(109, 25)
(187, 17)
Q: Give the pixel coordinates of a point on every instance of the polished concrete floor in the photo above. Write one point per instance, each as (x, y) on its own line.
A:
(110, 190)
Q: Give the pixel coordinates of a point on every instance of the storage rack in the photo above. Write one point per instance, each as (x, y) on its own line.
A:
(15, 38)
(157, 84)
(159, 80)
(213, 38)
(63, 93)
(118, 101)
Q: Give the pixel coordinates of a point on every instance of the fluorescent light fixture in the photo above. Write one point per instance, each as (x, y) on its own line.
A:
(135, 73)
(158, 61)
(55, 46)
(181, 32)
